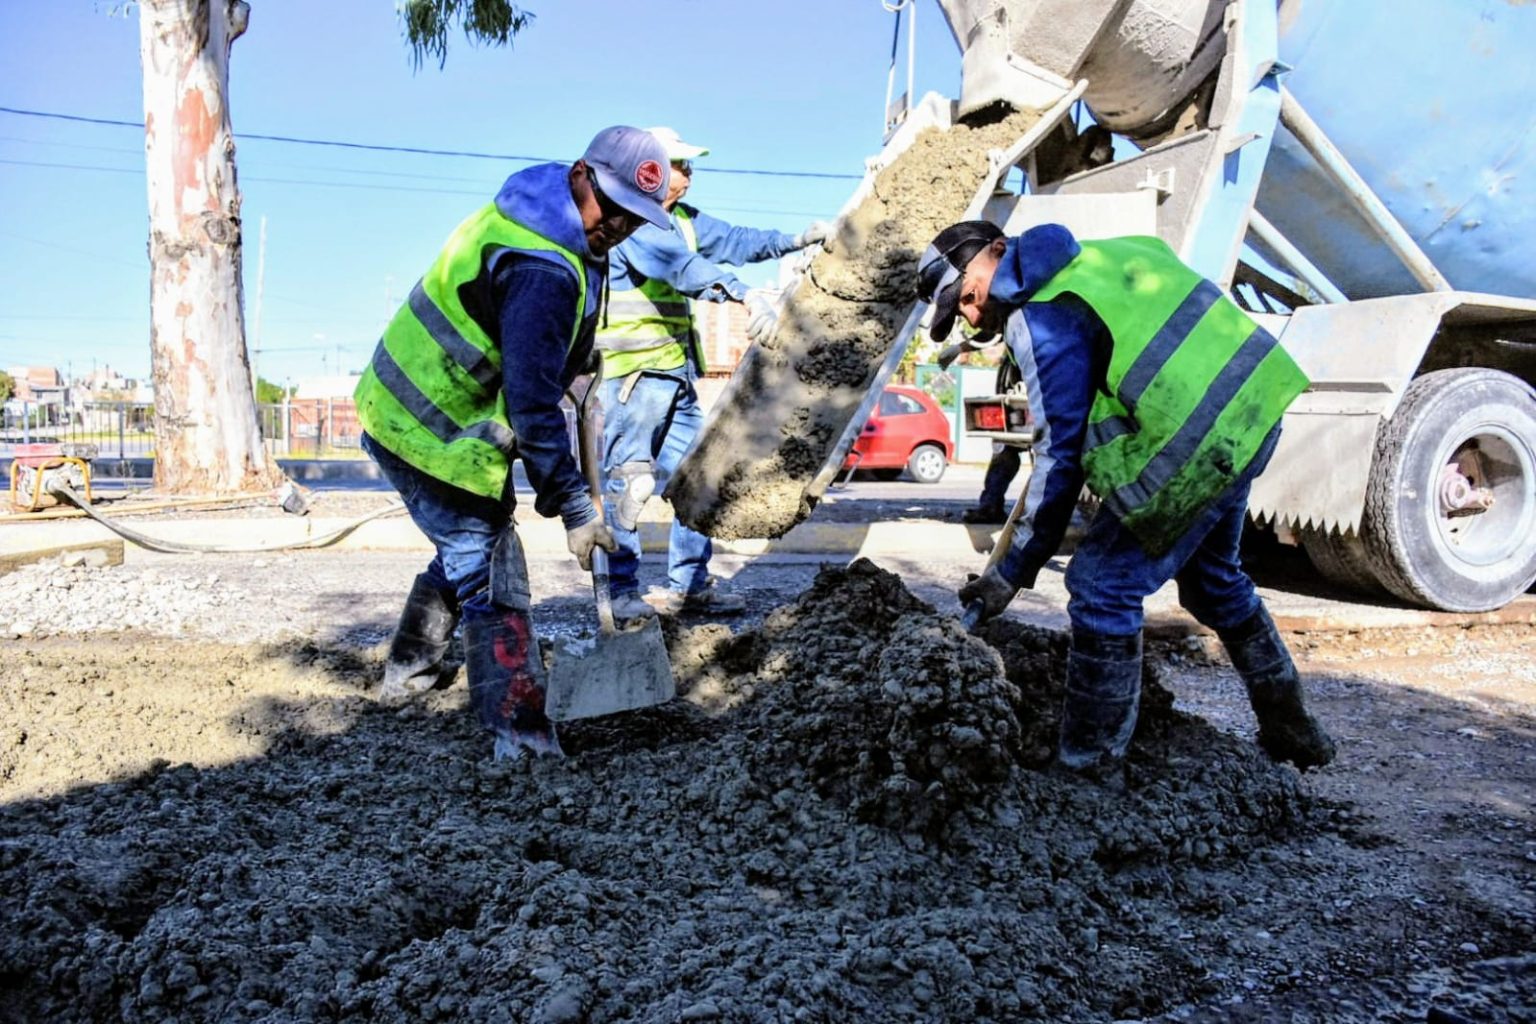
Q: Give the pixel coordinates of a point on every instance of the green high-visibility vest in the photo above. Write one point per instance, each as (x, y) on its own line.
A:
(650, 327)
(432, 394)
(1194, 386)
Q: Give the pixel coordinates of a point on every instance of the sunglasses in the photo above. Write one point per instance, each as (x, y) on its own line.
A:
(612, 211)
(683, 167)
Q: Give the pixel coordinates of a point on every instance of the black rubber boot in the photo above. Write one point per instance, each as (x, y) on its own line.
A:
(507, 683)
(1286, 731)
(984, 514)
(1103, 693)
(415, 661)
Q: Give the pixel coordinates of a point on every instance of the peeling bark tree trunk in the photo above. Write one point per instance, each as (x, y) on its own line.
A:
(207, 438)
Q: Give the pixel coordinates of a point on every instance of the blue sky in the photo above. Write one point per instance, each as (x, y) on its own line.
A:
(796, 85)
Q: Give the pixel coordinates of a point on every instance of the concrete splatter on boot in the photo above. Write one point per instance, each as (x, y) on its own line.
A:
(1103, 694)
(1286, 731)
(507, 683)
(414, 664)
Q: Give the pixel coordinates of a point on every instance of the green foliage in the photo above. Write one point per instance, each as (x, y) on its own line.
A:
(268, 393)
(7, 386)
(427, 23)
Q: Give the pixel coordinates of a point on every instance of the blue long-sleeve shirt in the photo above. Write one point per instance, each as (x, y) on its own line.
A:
(1062, 349)
(664, 255)
(535, 300)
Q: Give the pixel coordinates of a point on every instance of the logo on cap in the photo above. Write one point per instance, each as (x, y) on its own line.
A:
(648, 176)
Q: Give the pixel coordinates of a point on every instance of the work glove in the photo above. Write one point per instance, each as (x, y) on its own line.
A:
(818, 231)
(582, 539)
(991, 589)
(763, 316)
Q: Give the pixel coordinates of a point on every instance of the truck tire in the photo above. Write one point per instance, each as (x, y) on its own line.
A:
(927, 464)
(1341, 559)
(1485, 421)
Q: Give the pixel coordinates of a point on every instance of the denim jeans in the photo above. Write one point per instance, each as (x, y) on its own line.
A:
(1001, 470)
(1110, 574)
(464, 528)
(657, 421)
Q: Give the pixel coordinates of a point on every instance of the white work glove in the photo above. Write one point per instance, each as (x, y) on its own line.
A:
(818, 231)
(583, 539)
(763, 316)
(992, 590)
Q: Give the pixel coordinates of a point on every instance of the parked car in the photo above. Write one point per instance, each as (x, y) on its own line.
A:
(906, 431)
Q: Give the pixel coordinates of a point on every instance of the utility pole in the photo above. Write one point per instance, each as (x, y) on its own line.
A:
(261, 284)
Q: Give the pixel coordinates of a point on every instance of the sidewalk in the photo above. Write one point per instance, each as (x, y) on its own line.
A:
(924, 539)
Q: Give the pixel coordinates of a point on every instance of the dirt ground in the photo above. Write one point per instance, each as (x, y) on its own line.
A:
(850, 816)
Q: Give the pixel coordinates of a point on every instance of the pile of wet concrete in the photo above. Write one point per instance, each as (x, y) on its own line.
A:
(850, 816)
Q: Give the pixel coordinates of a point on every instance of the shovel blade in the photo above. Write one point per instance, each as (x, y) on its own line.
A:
(623, 671)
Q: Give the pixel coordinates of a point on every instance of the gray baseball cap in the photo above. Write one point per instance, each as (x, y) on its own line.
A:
(941, 266)
(632, 170)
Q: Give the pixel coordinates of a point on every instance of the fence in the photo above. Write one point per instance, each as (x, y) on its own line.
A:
(312, 428)
(122, 430)
(299, 428)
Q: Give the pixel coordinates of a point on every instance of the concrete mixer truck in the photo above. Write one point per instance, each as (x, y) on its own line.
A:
(1360, 176)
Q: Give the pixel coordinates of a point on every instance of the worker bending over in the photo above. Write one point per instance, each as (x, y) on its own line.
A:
(1154, 386)
(468, 376)
(651, 359)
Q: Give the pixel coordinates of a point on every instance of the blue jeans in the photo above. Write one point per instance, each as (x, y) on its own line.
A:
(1001, 470)
(1110, 574)
(657, 421)
(464, 528)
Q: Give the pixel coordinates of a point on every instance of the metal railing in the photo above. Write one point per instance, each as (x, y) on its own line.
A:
(298, 428)
(122, 430)
(316, 428)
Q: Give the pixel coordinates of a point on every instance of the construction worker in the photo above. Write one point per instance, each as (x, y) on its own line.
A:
(1152, 385)
(651, 359)
(468, 376)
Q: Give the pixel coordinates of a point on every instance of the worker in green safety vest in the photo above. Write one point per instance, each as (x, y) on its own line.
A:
(469, 376)
(1151, 385)
(651, 360)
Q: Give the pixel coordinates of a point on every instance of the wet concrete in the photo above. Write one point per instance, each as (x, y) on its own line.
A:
(790, 401)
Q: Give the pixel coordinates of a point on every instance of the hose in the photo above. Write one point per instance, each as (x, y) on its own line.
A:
(169, 547)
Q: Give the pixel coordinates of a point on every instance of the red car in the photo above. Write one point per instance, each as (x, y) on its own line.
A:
(906, 431)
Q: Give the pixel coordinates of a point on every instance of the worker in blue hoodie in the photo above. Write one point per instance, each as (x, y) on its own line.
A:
(1152, 386)
(468, 376)
(651, 359)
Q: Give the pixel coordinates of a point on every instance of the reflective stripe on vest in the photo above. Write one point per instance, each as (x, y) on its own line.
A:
(432, 393)
(650, 327)
(1194, 386)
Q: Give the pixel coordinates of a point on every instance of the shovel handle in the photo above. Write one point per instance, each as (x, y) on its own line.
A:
(600, 591)
(588, 430)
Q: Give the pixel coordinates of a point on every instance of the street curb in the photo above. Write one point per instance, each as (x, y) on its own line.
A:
(539, 536)
(907, 540)
(93, 553)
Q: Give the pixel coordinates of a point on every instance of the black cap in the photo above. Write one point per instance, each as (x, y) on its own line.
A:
(940, 269)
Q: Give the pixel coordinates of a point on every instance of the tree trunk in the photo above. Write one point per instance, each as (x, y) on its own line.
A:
(207, 438)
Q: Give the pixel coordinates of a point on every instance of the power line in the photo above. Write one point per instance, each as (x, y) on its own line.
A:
(351, 186)
(381, 148)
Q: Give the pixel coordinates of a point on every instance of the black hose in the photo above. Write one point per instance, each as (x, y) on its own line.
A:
(67, 493)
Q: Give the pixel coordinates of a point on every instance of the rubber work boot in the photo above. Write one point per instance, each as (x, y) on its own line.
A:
(630, 608)
(507, 682)
(1103, 694)
(1286, 731)
(414, 664)
(708, 599)
(984, 514)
